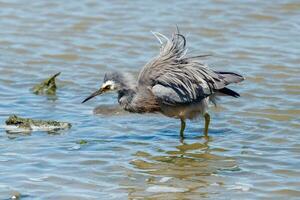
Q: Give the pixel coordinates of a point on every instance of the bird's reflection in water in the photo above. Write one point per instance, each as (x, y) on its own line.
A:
(114, 109)
(189, 171)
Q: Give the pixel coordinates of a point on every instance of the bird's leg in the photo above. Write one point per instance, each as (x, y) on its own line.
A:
(207, 120)
(182, 127)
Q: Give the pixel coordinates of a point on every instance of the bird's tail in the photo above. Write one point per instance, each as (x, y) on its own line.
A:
(231, 77)
(228, 92)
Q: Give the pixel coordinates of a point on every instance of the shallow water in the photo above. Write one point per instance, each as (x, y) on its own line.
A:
(254, 148)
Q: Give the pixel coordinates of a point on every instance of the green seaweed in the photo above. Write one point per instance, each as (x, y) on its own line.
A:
(27, 123)
(47, 87)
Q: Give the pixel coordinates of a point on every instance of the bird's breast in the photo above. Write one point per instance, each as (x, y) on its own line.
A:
(142, 102)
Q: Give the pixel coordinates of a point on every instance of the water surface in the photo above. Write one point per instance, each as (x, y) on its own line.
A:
(254, 148)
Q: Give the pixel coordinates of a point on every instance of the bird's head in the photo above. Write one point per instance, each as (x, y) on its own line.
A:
(113, 81)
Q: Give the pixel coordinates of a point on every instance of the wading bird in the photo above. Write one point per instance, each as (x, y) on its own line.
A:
(172, 83)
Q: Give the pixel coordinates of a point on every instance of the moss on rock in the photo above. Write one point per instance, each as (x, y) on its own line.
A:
(47, 87)
(27, 123)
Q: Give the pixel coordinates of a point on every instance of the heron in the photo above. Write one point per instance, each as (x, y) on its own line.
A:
(172, 83)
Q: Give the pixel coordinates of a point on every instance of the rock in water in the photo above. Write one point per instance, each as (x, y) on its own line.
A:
(28, 124)
(47, 87)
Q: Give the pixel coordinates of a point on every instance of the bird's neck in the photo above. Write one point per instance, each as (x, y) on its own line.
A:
(125, 97)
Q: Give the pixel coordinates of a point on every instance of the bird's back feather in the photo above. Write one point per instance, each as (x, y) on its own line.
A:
(178, 79)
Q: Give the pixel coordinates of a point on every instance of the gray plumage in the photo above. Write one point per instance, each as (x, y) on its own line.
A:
(172, 83)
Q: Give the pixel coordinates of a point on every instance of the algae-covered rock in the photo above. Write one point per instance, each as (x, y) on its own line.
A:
(33, 124)
(47, 87)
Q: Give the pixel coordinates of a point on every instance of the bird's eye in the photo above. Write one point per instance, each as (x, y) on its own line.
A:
(107, 87)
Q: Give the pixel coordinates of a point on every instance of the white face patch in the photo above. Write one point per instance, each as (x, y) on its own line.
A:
(109, 83)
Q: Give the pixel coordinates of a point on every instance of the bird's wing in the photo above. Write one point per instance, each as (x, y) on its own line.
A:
(175, 78)
(187, 84)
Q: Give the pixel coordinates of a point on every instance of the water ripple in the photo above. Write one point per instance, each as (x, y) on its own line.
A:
(253, 152)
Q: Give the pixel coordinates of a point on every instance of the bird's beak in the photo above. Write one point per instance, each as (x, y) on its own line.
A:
(98, 92)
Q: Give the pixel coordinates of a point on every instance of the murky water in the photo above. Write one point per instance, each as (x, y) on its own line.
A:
(254, 151)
